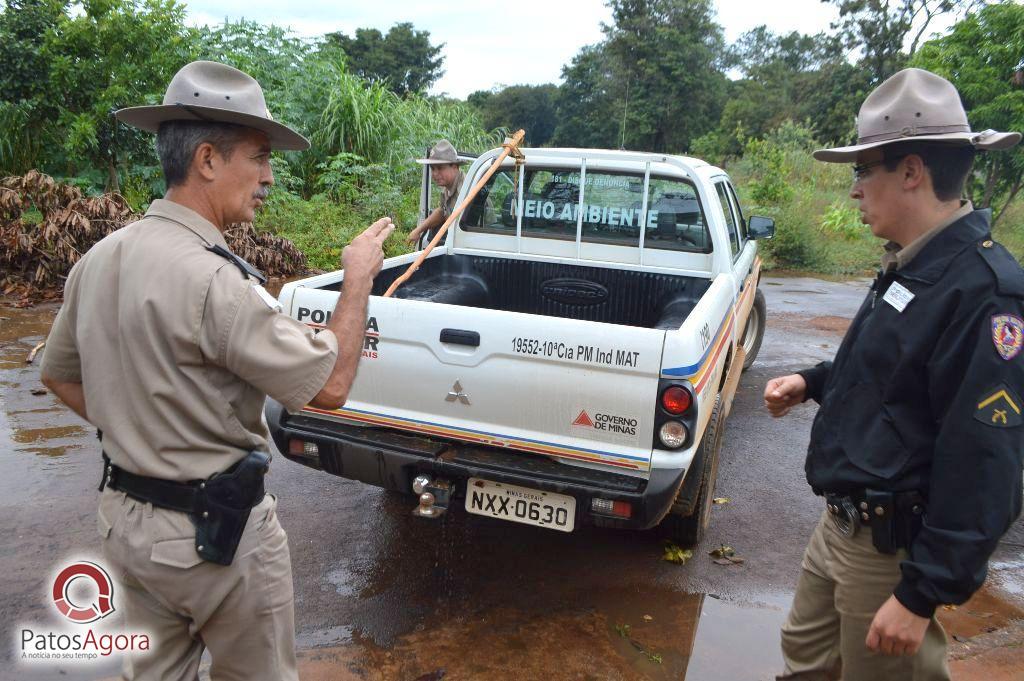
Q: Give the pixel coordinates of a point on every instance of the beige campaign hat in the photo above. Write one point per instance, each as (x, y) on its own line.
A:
(442, 152)
(916, 105)
(213, 92)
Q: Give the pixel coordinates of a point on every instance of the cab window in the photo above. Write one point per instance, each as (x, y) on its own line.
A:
(492, 210)
(675, 220)
(611, 208)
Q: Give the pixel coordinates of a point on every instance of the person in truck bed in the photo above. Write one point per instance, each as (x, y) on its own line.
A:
(447, 174)
(917, 444)
(168, 344)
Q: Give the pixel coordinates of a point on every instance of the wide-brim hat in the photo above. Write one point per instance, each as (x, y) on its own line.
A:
(915, 105)
(441, 153)
(214, 93)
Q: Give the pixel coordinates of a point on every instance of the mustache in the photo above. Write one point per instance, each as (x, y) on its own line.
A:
(262, 193)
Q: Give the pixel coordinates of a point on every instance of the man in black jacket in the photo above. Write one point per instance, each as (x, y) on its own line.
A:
(917, 444)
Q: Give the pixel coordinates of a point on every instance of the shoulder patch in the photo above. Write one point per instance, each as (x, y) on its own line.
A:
(1007, 335)
(999, 407)
(248, 270)
(1007, 271)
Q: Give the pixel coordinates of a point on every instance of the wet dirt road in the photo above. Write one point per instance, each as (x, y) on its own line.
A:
(383, 595)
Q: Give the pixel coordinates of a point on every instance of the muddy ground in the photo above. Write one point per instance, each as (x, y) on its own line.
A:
(383, 595)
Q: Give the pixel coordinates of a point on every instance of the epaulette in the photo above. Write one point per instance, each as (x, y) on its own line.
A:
(1007, 271)
(247, 269)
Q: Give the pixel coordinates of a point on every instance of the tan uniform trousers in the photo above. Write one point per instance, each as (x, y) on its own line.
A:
(843, 582)
(242, 612)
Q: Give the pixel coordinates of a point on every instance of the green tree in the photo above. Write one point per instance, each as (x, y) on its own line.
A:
(983, 56)
(114, 53)
(881, 28)
(24, 25)
(530, 107)
(588, 103)
(669, 55)
(787, 77)
(404, 58)
(24, 79)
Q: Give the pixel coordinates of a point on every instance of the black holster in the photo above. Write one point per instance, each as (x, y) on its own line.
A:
(223, 504)
(896, 518)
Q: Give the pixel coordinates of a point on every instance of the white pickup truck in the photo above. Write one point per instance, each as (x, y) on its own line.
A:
(568, 355)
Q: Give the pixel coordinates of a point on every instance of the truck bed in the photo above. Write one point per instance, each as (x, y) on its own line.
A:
(613, 296)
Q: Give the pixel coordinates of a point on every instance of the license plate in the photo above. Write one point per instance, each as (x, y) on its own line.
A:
(521, 504)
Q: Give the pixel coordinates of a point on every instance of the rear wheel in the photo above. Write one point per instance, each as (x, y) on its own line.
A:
(753, 334)
(688, 518)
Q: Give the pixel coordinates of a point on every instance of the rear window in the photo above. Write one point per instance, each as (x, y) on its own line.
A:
(612, 209)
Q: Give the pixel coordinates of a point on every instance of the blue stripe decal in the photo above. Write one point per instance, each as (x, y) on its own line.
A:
(483, 432)
(692, 369)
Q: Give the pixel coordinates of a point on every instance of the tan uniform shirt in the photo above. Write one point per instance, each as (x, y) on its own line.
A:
(449, 195)
(449, 198)
(897, 257)
(176, 349)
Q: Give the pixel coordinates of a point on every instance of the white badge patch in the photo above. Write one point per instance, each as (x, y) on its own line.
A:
(898, 296)
(270, 300)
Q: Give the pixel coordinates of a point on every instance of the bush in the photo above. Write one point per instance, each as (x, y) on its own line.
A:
(321, 227)
(818, 228)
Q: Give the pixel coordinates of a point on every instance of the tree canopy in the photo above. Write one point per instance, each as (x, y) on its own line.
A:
(983, 56)
(403, 58)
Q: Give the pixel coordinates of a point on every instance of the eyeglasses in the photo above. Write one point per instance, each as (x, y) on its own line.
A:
(860, 170)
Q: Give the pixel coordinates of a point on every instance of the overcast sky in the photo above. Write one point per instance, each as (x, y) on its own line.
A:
(489, 43)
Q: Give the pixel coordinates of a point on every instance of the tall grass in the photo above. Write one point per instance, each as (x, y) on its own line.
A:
(367, 119)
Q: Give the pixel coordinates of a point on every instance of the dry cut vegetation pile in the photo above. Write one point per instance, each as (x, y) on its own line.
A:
(46, 227)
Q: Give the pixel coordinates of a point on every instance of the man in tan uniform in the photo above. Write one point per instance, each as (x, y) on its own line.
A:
(445, 172)
(169, 345)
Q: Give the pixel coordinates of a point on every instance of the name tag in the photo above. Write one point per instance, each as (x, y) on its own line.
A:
(898, 296)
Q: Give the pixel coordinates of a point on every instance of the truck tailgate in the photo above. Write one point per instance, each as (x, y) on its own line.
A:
(581, 392)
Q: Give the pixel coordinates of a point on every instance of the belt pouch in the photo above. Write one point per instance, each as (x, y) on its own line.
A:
(223, 506)
(882, 509)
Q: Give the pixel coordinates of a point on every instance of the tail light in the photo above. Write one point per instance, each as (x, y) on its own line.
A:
(303, 448)
(673, 434)
(676, 399)
(619, 509)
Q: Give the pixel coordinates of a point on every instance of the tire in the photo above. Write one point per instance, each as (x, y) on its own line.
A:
(753, 334)
(685, 524)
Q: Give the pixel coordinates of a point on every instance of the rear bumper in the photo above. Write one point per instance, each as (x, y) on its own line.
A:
(391, 460)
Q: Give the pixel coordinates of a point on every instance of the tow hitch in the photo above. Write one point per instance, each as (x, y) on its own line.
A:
(434, 496)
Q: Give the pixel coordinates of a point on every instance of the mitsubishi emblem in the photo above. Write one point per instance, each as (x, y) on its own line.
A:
(456, 394)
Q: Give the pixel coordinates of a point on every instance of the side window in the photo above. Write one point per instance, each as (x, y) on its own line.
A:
(493, 209)
(739, 214)
(730, 219)
(675, 221)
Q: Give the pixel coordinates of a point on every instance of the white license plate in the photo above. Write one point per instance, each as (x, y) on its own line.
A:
(521, 504)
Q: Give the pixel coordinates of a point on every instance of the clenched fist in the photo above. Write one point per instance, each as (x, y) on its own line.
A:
(781, 394)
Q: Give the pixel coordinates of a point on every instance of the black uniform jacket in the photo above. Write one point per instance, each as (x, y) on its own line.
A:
(930, 399)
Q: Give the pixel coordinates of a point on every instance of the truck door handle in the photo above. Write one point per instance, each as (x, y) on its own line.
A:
(460, 337)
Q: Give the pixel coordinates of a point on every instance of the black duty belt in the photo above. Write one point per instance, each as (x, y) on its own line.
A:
(218, 506)
(894, 517)
(177, 496)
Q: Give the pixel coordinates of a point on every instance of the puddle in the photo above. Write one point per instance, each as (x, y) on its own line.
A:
(35, 435)
(638, 633)
(38, 426)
